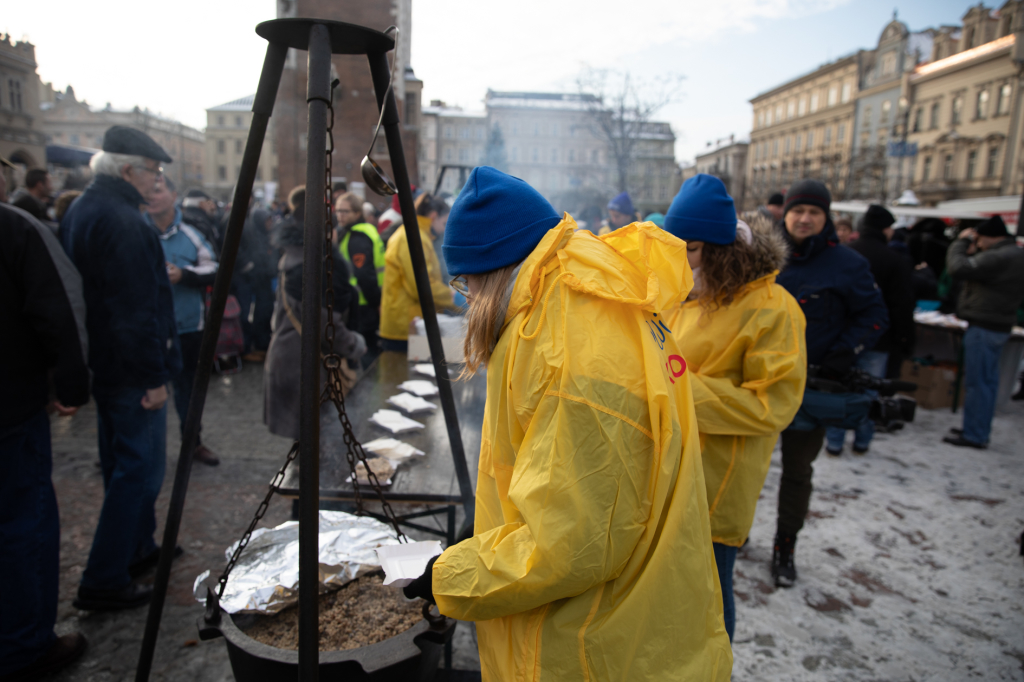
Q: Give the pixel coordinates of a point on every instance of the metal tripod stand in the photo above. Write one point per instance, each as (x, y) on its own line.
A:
(321, 39)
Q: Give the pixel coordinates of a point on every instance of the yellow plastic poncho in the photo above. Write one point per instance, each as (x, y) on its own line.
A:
(592, 557)
(747, 364)
(400, 302)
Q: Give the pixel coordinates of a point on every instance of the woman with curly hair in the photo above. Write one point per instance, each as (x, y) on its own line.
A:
(743, 339)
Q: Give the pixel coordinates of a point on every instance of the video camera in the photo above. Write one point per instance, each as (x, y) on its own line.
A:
(887, 410)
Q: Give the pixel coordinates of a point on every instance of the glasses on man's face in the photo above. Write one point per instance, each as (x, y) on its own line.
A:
(157, 172)
(460, 284)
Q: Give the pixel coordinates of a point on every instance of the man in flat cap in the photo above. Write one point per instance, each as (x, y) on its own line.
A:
(991, 266)
(134, 352)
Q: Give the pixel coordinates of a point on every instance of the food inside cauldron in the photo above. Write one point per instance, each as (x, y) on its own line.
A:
(361, 613)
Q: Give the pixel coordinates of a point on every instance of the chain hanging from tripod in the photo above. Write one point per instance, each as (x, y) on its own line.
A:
(334, 387)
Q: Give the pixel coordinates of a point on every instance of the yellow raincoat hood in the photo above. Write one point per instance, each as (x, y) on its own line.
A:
(747, 365)
(592, 555)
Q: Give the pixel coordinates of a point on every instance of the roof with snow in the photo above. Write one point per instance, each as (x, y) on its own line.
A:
(240, 104)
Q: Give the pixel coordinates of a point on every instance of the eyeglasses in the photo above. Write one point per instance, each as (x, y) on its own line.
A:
(460, 284)
(158, 171)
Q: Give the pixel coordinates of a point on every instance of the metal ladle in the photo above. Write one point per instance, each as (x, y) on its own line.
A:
(375, 177)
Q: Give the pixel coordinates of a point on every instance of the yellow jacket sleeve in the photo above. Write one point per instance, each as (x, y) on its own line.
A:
(579, 484)
(767, 398)
(443, 297)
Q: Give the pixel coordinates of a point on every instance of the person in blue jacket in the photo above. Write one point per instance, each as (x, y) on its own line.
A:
(845, 315)
(191, 268)
(133, 353)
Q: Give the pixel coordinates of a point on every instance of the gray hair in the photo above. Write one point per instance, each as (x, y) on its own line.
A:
(109, 163)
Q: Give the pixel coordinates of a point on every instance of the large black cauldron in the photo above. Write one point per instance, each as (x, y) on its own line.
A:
(412, 656)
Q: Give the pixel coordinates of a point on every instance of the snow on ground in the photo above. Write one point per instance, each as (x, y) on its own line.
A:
(908, 565)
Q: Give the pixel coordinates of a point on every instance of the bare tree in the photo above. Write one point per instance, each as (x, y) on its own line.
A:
(620, 107)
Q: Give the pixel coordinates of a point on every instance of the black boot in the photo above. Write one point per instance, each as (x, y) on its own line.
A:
(783, 570)
(1019, 395)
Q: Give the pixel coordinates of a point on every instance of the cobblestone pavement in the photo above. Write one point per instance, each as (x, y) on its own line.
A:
(908, 564)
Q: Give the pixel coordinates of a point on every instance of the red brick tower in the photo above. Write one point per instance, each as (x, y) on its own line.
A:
(355, 108)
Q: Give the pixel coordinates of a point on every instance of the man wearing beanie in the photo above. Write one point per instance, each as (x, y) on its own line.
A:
(590, 503)
(845, 316)
(894, 276)
(773, 209)
(620, 213)
(991, 266)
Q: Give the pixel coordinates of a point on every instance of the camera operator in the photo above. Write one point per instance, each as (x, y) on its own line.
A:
(991, 266)
(893, 273)
(845, 315)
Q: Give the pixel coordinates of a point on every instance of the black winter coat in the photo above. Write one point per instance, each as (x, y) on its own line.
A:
(844, 309)
(894, 276)
(42, 315)
(993, 283)
(130, 311)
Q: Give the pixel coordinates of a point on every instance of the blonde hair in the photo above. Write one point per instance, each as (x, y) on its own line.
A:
(482, 319)
(355, 204)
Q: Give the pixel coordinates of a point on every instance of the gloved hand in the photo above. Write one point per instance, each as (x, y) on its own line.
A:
(422, 587)
(838, 363)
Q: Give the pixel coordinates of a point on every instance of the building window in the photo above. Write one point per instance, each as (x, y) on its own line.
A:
(259, 174)
(866, 121)
(74, 139)
(463, 155)
(958, 107)
(833, 96)
(760, 119)
(846, 93)
(221, 146)
(841, 136)
(982, 108)
(515, 128)
(886, 108)
(536, 155)
(799, 143)
(448, 133)
(238, 121)
(828, 137)
(220, 121)
(814, 102)
(463, 133)
(802, 106)
(926, 173)
(448, 154)
(239, 146)
(785, 145)
(554, 156)
(554, 130)
(14, 94)
(918, 119)
(222, 172)
(810, 140)
(947, 167)
(972, 159)
(1003, 107)
(791, 109)
(933, 120)
(993, 156)
(778, 113)
(479, 132)
(572, 156)
(775, 147)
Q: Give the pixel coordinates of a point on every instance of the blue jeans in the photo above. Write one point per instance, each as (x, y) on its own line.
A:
(29, 544)
(133, 454)
(725, 559)
(874, 363)
(982, 349)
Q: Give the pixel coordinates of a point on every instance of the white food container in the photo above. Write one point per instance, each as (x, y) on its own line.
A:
(404, 563)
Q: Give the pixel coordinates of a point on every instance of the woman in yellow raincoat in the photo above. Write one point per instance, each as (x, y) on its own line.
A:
(400, 300)
(591, 558)
(743, 339)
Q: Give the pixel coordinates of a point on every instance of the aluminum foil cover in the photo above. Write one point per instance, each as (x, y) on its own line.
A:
(266, 577)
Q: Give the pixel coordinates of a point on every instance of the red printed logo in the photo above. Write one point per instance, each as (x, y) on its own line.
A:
(676, 367)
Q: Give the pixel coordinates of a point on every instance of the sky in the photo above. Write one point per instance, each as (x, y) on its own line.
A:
(201, 53)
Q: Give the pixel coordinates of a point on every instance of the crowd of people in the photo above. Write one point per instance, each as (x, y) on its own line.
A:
(640, 372)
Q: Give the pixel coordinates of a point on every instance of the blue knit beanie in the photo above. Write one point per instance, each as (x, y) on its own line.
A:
(702, 211)
(622, 204)
(496, 221)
